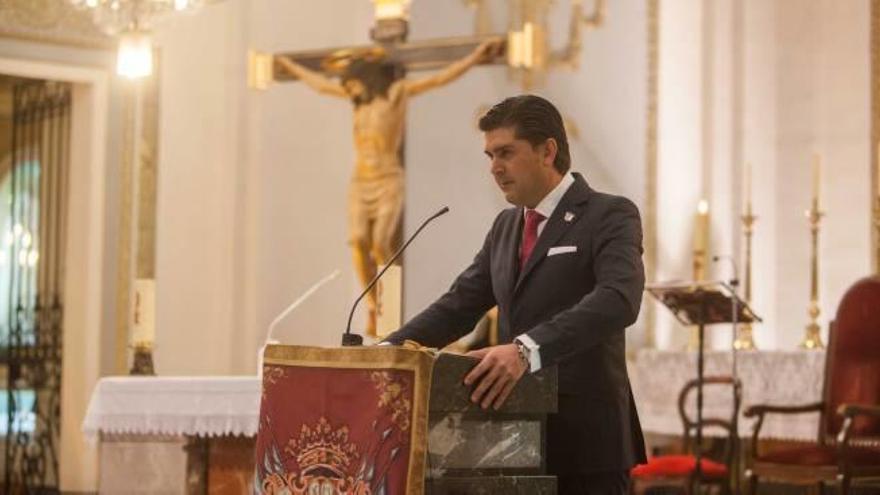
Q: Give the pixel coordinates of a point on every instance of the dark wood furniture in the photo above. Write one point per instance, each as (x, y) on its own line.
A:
(847, 446)
(680, 470)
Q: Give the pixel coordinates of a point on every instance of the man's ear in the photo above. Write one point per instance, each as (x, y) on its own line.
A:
(551, 148)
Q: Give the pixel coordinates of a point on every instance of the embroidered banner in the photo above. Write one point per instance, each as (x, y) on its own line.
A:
(343, 421)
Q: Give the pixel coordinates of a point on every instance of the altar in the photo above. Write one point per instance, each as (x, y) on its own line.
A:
(196, 431)
(768, 377)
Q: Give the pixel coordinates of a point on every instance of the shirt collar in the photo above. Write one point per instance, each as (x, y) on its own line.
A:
(552, 199)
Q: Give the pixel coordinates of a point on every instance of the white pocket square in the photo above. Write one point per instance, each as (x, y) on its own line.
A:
(561, 249)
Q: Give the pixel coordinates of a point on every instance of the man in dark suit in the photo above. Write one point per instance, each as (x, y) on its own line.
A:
(564, 268)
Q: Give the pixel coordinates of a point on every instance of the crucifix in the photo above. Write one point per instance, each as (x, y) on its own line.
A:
(375, 79)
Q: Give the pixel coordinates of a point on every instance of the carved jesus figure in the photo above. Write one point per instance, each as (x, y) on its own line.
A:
(375, 201)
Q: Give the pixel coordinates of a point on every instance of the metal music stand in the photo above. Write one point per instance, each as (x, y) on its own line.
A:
(701, 304)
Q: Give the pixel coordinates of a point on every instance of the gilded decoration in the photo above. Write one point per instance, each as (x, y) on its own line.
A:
(392, 396)
(51, 21)
(320, 449)
(271, 376)
(650, 218)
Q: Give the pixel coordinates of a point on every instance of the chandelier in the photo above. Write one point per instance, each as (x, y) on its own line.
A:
(131, 21)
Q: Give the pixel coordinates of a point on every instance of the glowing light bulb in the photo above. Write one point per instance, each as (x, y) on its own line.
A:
(135, 57)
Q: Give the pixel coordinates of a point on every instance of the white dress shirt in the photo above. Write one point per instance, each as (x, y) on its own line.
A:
(545, 208)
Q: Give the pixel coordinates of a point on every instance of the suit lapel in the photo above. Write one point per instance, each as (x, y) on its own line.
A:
(567, 213)
(510, 255)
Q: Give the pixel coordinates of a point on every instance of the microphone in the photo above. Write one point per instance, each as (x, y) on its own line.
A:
(350, 339)
(301, 299)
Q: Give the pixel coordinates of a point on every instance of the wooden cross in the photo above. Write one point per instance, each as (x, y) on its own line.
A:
(414, 56)
(373, 79)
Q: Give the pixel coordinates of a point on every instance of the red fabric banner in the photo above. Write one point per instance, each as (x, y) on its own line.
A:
(343, 421)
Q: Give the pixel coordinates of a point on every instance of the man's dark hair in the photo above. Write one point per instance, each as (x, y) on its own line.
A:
(534, 119)
(376, 76)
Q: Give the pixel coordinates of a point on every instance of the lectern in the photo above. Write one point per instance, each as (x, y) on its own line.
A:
(703, 303)
(396, 420)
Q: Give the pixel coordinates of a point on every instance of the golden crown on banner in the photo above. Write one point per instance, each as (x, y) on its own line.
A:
(323, 447)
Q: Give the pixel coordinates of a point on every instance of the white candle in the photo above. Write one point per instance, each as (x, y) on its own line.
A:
(701, 230)
(144, 308)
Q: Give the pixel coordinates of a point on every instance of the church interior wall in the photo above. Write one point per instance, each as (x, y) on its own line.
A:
(261, 163)
(823, 105)
(253, 184)
(202, 67)
(768, 83)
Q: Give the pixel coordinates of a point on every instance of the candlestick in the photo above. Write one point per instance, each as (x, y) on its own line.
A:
(877, 171)
(877, 214)
(744, 339)
(812, 337)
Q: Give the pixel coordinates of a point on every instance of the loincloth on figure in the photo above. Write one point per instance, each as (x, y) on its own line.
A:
(375, 205)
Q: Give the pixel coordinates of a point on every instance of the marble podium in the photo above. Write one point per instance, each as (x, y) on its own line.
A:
(471, 451)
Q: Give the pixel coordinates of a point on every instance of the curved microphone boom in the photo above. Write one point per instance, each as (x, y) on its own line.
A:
(350, 339)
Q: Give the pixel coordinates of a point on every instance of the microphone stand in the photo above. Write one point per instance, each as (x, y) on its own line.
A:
(734, 288)
(352, 339)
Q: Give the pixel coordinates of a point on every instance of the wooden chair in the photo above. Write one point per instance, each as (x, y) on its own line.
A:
(848, 441)
(680, 470)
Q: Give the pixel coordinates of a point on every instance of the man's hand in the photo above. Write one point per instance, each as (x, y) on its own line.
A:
(499, 369)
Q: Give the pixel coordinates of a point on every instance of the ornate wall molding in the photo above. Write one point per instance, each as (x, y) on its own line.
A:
(650, 213)
(50, 21)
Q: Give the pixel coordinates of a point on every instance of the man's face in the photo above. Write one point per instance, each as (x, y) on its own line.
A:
(524, 172)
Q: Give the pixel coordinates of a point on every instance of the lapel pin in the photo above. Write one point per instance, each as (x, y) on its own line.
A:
(569, 216)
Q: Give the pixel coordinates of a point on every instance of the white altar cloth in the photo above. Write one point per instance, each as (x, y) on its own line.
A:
(218, 406)
(769, 377)
(178, 406)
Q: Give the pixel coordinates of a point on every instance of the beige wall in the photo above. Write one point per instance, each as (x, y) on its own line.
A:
(200, 135)
(769, 83)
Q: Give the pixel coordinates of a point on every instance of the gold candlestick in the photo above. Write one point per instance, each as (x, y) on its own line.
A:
(877, 213)
(142, 363)
(744, 340)
(143, 327)
(877, 230)
(812, 338)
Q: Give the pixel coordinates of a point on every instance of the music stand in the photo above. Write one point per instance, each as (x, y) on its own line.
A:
(701, 304)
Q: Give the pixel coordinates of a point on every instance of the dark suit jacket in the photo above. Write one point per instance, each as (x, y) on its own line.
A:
(575, 305)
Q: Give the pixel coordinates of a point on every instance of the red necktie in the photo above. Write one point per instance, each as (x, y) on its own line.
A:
(530, 236)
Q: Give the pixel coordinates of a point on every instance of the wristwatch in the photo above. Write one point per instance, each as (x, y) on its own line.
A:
(524, 354)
